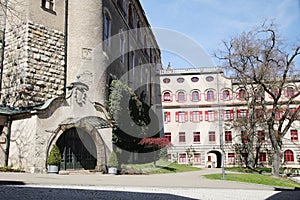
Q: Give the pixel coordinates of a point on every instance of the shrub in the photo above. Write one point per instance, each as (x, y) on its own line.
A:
(54, 156)
(113, 160)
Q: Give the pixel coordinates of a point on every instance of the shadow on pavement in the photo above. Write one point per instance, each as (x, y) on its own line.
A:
(3, 182)
(22, 192)
(286, 194)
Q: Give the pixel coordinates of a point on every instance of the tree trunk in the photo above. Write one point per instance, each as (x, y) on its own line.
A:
(276, 162)
(154, 156)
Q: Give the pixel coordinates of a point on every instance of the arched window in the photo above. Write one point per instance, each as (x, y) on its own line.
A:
(167, 97)
(210, 95)
(241, 94)
(195, 96)
(226, 95)
(181, 97)
(290, 91)
(288, 156)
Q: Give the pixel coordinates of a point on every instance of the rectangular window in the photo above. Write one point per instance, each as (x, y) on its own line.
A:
(122, 46)
(169, 157)
(168, 136)
(48, 4)
(261, 136)
(263, 157)
(196, 137)
(208, 158)
(259, 114)
(197, 158)
(181, 116)
(244, 136)
(228, 136)
(294, 135)
(228, 115)
(196, 116)
(182, 158)
(167, 117)
(211, 136)
(242, 113)
(244, 157)
(231, 158)
(181, 136)
(211, 115)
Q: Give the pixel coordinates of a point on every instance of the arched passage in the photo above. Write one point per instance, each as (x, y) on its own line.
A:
(78, 150)
(218, 157)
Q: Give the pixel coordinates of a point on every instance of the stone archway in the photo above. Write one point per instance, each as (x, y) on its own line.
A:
(90, 135)
(78, 150)
(218, 157)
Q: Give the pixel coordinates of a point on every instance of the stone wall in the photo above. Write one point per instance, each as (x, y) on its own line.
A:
(33, 65)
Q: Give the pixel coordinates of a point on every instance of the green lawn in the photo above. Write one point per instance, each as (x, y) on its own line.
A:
(162, 167)
(256, 178)
(174, 168)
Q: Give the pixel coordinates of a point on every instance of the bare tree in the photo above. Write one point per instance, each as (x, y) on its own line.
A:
(263, 65)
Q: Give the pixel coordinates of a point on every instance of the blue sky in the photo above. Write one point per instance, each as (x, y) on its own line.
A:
(209, 22)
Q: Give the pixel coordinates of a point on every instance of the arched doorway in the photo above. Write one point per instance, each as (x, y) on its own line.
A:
(218, 157)
(78, 150)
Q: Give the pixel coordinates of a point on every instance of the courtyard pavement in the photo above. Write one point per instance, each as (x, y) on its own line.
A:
(188, 185)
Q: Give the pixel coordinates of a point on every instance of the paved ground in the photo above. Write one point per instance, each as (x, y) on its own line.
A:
(190, 185)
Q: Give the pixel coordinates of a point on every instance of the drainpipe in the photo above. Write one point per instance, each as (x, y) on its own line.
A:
(7, 142)
(3, 43)
(66, 45)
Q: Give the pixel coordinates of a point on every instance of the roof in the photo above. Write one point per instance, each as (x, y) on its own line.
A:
(96, 122)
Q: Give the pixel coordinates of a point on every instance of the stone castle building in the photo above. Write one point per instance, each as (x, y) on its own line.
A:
(58, 61)
(200, 107)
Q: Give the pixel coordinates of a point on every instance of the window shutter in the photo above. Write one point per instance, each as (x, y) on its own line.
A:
(191, 116)
(205, 96)
(176, 97)
(176, 117)
(222, 95)
(230, 96)
(231, 114)
(171, 97)
(238, 113)
(206, 115)
(216, 115)
(162, 97)
(186, 116)
(169, 116)
(185, 96)
(199, 96)
(200, 116)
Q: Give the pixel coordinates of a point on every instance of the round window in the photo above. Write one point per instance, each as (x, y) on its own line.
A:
(180, 80)
(166, 80)
(209, 78)
(195, 79)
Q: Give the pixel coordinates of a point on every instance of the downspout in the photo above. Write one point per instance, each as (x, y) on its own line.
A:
(7, 142)
(3, 44)
(66, 45)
